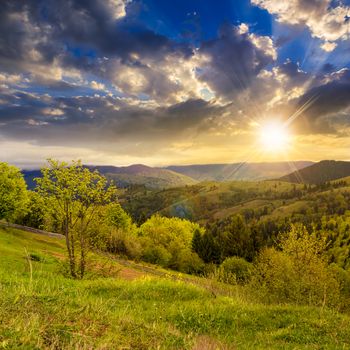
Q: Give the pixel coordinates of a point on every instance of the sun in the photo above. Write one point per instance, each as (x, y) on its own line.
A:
(274, 137)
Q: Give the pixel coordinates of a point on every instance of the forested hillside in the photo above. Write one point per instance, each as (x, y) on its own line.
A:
(138, 174)
(255, 213)
(239, 171)
(324, 171)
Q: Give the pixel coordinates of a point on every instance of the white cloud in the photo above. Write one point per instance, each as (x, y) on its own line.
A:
(328, 46)
(325, 22)
(97, 86)
(265, 44)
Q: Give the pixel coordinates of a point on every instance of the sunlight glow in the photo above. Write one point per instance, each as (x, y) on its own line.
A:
(274, 137)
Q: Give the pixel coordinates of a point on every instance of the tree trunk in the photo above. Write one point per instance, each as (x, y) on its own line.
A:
(82, 255)
(70, 246)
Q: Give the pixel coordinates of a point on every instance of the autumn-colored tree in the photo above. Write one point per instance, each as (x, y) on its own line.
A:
(75, 195)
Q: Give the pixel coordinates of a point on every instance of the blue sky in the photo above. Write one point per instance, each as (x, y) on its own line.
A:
(172, 19)
(160, 82)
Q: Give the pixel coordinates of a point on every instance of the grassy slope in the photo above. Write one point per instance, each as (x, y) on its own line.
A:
(54, 312)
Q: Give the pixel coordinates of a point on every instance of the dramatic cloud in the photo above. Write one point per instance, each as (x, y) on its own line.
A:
(233, 60)
(327, 22)
(329, 101)
(99, 78)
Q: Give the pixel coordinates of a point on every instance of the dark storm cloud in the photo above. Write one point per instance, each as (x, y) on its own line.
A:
(327, 104)
(95, 120)
(296, 77)
(74, 34)
(331, 97)
(234, 61)
(90, 23)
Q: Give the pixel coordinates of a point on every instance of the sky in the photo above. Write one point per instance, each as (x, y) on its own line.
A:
(159, 82)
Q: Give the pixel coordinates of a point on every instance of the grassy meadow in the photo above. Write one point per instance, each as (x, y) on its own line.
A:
(118, 307)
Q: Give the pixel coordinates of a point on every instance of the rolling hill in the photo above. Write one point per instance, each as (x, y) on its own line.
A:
(318, 173)
(239, 171)
(206, 201)
(153, 178)
(140, 174)
(177, 176)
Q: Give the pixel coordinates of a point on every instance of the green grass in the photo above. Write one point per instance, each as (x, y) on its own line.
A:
(51, 311)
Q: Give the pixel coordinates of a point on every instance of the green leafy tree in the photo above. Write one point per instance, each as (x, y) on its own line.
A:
(13, 193)
(36, 212)
(117, 217)
(168, 241)
(120, 232)
(235, 238)
(298, 272)
(75, 195)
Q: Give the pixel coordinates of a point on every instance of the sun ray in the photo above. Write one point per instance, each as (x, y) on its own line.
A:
(302, 109)
(274, 136)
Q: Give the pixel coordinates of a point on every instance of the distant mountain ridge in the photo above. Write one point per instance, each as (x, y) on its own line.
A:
(144, 175)
(318, 173)
(138, 174)
(177, 176)
(239, 171)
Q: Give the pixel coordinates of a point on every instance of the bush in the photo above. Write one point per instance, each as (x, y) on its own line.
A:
(124, 243)
(114, 231)
(190, 262)
(235, 270)
(297, 273)
(155, 254)
(117, 217)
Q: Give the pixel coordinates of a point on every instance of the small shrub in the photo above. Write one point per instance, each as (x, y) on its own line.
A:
(190, 262)
(124, 243)
(218, 274)
(237, 269)
(156, 255)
